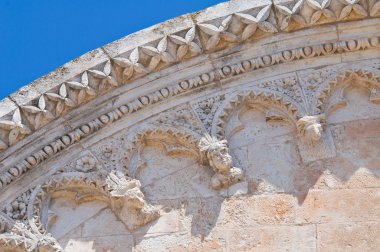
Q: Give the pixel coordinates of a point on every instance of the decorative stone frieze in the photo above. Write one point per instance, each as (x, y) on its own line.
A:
(292, 15)
(251, 115)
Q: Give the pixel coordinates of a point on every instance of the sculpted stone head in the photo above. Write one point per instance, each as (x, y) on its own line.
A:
(217, 153)
(311, 127)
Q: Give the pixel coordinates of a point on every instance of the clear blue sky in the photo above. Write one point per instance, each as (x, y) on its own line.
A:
(37, 36)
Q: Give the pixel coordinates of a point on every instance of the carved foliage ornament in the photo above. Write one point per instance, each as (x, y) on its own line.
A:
(14, 130)
(259, 22)
(15, 236)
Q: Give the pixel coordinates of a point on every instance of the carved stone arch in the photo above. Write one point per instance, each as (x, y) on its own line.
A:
(122, 194)
(331, 96)
(173, 141)
(291, 110)
(207, 66)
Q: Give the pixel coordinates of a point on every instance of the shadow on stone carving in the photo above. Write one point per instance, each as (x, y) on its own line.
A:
(272, 145)
(177, 175)
(78, 207)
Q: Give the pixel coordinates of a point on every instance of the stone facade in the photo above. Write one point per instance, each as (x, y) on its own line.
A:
(249, 126)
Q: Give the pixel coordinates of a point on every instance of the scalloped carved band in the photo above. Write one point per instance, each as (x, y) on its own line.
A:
(248, 25)
(154, 138)
(16, 128)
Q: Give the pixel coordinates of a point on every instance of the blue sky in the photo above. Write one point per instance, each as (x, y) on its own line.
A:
(37, 36)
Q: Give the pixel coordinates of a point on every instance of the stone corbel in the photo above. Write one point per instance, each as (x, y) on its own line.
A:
(311, 127)
(216, 155)
(315, 140)
(128, 203)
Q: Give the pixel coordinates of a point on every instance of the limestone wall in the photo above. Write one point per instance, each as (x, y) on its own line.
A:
(244, 127)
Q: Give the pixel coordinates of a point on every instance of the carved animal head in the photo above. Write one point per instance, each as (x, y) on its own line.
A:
(217, 153)
(127, 190)
(311, 127)
(127, 200)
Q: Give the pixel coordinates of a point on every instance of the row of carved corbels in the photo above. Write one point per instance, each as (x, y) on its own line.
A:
(123, 193)
(207, 36)
(213, 151)
(15, 125)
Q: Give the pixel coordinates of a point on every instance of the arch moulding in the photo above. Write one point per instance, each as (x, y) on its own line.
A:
(196, 131)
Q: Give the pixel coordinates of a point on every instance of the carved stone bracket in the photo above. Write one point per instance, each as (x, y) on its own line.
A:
(128, 203)
(315, 140)
(311, 127)
(217, 156)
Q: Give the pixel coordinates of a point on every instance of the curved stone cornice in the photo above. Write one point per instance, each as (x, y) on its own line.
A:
(131, 65)
(163, 45)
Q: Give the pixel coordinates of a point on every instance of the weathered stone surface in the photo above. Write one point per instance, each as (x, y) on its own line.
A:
(354, 236)
(264, 209)
(249, 126)
(339, 206)
(275, 238)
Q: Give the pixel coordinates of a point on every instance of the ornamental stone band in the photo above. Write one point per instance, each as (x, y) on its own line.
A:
(248, 126)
